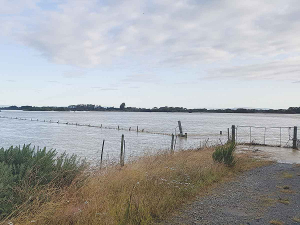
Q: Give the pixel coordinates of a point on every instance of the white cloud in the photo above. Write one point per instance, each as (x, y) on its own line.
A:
(161, 32)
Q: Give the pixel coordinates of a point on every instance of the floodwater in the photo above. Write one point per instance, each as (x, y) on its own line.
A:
(85, 138)
(277, 154)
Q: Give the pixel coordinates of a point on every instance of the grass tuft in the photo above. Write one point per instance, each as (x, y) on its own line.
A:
(296, 219)
(276, 222)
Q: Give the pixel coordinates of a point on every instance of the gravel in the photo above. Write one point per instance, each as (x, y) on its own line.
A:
(256, 197)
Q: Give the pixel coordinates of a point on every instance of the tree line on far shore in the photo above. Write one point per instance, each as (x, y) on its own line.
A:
(91, 107)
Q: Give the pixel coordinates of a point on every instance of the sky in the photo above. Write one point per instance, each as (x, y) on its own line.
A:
(188, 53)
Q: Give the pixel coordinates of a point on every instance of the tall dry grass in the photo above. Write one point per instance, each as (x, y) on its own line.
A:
(143, 192)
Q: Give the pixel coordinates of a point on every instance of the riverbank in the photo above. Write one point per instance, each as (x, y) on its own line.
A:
(142, 192)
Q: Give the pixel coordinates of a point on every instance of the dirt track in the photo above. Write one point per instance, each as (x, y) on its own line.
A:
(259, 196)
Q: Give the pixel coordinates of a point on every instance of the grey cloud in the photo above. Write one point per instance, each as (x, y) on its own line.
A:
(169, 32)
(287, 69)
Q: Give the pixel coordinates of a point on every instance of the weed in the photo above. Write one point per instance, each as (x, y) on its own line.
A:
(287, 175)
(26, 171)
(284, 201)
(224, 154)
(296, 219)
(276, 222)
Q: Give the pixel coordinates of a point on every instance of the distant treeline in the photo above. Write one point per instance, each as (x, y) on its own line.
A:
(91, 107)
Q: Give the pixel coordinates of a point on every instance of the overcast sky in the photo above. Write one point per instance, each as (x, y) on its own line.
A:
(190, 53)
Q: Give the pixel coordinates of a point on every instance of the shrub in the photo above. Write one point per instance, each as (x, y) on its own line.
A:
(24, 171)
(224, 154)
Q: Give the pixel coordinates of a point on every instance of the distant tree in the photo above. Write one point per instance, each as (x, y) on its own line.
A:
(122, 106)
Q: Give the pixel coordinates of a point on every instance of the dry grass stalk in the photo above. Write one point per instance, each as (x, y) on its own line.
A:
(142, 192)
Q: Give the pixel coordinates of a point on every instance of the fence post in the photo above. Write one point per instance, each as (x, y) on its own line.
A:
(122, 153)
(102, 153)
(172, 143)
(228, 134)
(180, 128)
(295, 138)
(233, 134)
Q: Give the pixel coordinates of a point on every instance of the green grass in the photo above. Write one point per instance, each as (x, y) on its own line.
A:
(224, 154)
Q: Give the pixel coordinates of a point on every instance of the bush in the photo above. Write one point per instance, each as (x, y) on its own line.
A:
(25, 171)
(224, 154)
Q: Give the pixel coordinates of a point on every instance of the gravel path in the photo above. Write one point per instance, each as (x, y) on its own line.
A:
(256, 197)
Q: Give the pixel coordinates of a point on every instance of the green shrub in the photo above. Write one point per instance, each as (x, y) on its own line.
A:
(25, 171)
(224, 154)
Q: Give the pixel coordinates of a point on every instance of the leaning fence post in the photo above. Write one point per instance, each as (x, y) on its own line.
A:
(233, 134)
(172, 143)
(102, 153)
(122, 151)
(295, 138)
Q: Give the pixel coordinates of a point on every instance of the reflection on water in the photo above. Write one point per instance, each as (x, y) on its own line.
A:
(86, 141)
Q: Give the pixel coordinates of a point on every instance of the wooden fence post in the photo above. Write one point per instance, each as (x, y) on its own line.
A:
(233, 134)
(122, 151)
(102, 153)
(172, 143)
(295, 138)
(228, 134)
(180, 128)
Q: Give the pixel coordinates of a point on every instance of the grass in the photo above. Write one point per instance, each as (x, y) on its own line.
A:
(287, 175)
(276, 222)
(142, 192)
(296, 219)
(284, 201)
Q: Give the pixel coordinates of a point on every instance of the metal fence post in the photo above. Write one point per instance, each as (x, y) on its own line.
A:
(295, 138)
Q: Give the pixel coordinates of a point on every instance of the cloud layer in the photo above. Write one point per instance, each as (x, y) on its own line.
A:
(161, 33)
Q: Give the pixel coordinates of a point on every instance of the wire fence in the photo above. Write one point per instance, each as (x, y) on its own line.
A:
(269, 136)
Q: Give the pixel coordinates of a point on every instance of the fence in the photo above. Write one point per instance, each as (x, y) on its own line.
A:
(270, 136)
(255, 135)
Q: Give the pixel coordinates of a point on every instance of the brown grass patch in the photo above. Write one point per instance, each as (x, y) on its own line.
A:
(287, 175)
(284, 201)
(276, 222)
(296, 219)
(142, 192)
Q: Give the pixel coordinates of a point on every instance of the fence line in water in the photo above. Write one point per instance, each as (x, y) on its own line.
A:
(259, 135)
(89, 125)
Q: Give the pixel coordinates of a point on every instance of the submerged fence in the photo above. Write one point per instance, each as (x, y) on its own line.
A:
(270, 136)
(254, 135)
